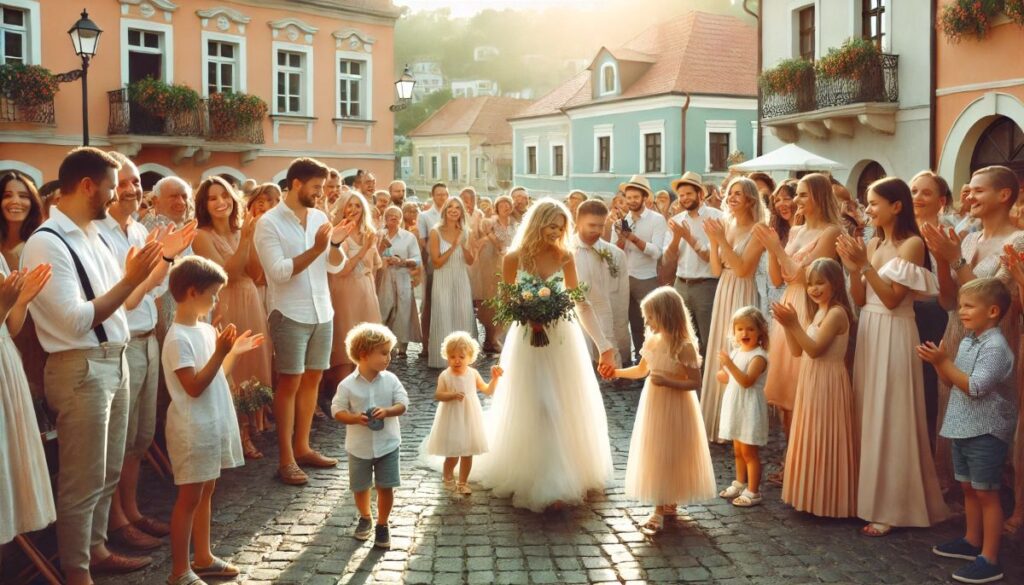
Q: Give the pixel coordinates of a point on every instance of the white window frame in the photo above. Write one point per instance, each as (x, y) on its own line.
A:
(551, 160)
(478, 167)
(608, 66)
(435, 167)
(857, 24)
(33, 32)
(366, 83)
(604, 131)
(307, 72)
(454, 165)
(651, 127)
(421, 165)
(532, 142)
(166, 50)
(718, 126)
(241, 78)
(756, 130)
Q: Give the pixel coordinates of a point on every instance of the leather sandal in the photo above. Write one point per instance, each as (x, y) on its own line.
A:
(876, 530)
(152, 526)
(128, 536)
(291, 474)
(116, 564)
(654, 524)
(218, 568)
(463, 489)
(314, 459)
(186, 578)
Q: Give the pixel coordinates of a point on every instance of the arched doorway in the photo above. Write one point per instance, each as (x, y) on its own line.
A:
(150, 178)
(871, 173)
(1002, 143)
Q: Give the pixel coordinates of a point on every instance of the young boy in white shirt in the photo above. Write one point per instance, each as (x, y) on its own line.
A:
(202, 429)
(369, 401)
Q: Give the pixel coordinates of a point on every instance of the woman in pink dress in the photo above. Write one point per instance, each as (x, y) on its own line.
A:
(897, 484)
(496, 236)
(476, 270)
(227, 239)
(816, 238)
(989, 200)
(353, 292)
(734, 255)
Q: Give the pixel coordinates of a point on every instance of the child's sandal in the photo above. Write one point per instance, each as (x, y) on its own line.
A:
(733, 491)
(654, 524)
(449, 484)
(747, 499)
(463, 489)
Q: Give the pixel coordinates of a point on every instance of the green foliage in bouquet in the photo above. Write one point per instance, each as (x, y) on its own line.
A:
(536, 302)
(252, 395)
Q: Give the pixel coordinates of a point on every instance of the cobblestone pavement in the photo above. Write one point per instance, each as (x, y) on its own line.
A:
(281, 534)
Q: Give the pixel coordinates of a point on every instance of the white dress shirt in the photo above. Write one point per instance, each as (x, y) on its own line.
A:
(62, 315)
(404, 246)
(690, 264)
(651, 228)
(356, 394)
(141, 319)
(428, 220)
(279, 238)
(603, 293)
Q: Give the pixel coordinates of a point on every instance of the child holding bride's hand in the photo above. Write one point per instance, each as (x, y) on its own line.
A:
(458, 432)
(669, 461)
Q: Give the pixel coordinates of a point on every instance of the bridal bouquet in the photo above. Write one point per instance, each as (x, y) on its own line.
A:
(535, 302)
(252, 395)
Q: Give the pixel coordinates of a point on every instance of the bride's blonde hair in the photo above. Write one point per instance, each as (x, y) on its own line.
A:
(665, 309)
(529, 240)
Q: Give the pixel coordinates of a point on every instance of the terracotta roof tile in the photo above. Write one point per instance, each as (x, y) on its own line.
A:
(697, 52)
(485, 116)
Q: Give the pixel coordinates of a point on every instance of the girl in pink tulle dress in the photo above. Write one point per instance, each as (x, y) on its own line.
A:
(669, 461)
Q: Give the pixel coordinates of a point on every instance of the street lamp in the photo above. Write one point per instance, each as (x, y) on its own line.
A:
(404, 87)
(85, 37)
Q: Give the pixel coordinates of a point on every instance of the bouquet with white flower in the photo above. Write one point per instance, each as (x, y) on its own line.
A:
(252, 395)
(535, 302)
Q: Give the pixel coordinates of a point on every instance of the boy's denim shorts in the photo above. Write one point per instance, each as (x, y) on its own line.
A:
(979, 460)
(381, 471)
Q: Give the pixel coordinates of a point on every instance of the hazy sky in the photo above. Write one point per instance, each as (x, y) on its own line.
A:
(461, 8)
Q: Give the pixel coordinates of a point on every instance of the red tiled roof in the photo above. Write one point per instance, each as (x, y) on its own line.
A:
(487, 116)
(697, 53)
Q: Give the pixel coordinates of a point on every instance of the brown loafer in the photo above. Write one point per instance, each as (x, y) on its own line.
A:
(292, 475)
(314, 459)
(152, 526)
(116, 564)
(128, 536)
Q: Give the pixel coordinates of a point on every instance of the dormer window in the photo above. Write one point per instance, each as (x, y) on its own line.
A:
(608, 81)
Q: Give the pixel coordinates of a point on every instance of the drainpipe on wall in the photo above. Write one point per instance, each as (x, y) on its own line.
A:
(932, 84)
(682, 148)
(757, 16)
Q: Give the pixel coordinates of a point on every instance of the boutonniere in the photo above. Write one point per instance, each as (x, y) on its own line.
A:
(606, 256)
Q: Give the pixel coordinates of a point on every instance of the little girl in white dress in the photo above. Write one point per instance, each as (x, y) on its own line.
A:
(458, 431)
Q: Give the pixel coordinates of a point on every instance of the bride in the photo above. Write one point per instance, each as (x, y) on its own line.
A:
(548, 435)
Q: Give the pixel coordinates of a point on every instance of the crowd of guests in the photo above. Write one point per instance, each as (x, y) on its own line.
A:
(883, 337)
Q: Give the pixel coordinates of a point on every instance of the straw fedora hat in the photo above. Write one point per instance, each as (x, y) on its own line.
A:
(689, 178)
(637, 182)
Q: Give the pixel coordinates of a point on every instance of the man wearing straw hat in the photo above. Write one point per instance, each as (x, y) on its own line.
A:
(687, 248)
(640, 235)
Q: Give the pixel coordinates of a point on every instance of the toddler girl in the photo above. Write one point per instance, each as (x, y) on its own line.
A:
(821, 464)
(669, 461)
(744, 408)
(458, 432)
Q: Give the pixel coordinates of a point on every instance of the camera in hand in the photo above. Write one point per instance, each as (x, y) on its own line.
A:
(624, 225)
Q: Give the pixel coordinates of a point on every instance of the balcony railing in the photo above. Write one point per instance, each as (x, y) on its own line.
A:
(38, 114)
(128, 117)
(876, 84)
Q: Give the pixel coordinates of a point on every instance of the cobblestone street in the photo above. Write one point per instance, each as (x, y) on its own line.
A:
(281, 534)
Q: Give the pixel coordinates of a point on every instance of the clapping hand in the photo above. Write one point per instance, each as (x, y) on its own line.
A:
(247, 342)
(141, 263)
(931, 353)
(852, 252)
(767, 237)
(10, 289)
(1014, 263)
(715, 231)
(175, 240)
(680, 229)
(324, 235)
(785, 314)
(226, 339)
(35, 280)
(944, 243)
(248, 226)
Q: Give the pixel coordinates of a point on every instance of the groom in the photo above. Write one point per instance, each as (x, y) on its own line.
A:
(602, 265)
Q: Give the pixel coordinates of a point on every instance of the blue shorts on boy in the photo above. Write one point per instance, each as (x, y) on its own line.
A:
(981, 422)
(373, 455)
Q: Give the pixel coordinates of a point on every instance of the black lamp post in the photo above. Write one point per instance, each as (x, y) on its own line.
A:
(85, 36)
(404, 87)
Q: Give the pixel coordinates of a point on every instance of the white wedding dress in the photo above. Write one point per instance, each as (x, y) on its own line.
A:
(547, 427)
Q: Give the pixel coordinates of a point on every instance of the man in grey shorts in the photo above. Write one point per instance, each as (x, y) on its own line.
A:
(291, 241)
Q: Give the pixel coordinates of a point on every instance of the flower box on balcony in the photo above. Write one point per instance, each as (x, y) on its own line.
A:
(158, 107)
(788, 87)
(26, 93)
(236, 117)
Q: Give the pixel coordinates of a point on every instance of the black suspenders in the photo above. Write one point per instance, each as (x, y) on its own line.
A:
(83, 278)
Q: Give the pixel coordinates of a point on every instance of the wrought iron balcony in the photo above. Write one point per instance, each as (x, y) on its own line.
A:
(877, 83)
(38, 114)
(130, 118)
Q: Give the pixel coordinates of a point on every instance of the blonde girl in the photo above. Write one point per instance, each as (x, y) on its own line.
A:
(821, 465)
(669, 461)
(458, 431)
(744, 408)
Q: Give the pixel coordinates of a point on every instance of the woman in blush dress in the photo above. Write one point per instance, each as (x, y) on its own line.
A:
(734, 256)
(816, 238)
(476, 220)
(451, 300)
(225, 238)
(897, 484)
(401, 255)
(496, 235)
(353, 292)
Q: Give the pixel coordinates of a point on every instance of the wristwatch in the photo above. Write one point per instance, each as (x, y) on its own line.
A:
(956, 266)
(338, 245)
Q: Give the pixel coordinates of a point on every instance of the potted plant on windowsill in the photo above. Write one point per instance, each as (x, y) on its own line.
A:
(28, 86)
(791, 77)
(859, 61)
(232, 114)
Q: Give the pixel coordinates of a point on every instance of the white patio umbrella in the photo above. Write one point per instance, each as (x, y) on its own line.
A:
(788, 158)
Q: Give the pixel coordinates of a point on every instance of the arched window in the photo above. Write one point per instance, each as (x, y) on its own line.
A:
(871, 173)
(608, 81)
(1002, 143)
